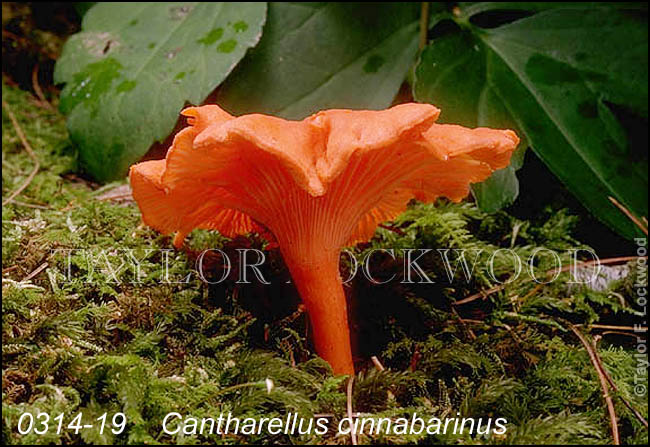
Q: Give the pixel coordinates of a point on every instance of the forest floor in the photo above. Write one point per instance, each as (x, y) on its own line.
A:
(81, 333)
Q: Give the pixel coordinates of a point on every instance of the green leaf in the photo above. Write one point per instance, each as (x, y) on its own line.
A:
(469, 9)
(134, 65)
(554, 76)
(318, 56)
(472, 103)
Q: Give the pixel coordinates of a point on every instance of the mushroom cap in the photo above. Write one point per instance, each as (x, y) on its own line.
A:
(340, 172)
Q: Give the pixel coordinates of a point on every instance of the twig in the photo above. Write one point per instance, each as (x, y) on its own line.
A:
(69, 206)
(424, 24)
(642, 224)
(121, 193)
(9, 269)
(380, 368)
(615, 328)
(485, 293)
(332, 415)
(393, 229)
(625, 334)
(469, 330)
(466, 321)
(377, 363)
(31, 205)
(603, 383)
(533, 291)
(37, 89)
(116, 197)
(634, 411)
(353, 434)
(29, 150)
(38, 270)
(609, 329)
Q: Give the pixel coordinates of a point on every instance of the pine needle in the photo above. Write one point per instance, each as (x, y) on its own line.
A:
(29, 150)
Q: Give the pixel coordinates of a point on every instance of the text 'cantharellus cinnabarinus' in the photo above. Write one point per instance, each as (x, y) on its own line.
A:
(318, 185)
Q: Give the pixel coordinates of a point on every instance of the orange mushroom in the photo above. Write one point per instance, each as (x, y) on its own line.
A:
(317, 185)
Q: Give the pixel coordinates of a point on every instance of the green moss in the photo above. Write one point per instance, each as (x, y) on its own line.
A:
(148, 348)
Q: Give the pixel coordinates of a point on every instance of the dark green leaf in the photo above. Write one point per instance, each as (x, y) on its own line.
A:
(556, 74)
(472, 103)
(133, 67)
(317, 56)
(469, 9)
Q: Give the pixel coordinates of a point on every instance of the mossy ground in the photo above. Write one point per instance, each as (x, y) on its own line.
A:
(150, 348)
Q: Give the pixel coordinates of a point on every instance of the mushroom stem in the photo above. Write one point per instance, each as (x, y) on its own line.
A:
(319, 284)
